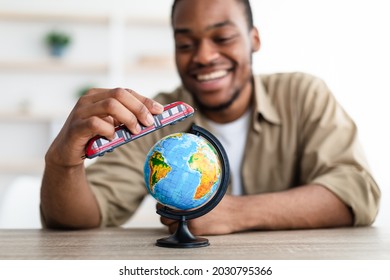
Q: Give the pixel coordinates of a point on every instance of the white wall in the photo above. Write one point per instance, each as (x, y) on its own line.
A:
(345, 42)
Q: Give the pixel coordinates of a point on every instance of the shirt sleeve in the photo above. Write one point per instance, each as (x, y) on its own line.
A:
(332, 155)
(118, 183)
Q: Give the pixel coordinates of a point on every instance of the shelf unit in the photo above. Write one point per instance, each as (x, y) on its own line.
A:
(111, 22)
(114, 70)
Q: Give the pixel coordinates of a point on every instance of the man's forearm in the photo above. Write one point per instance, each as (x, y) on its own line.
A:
(305, 207)
(67, 200)
(309, 206)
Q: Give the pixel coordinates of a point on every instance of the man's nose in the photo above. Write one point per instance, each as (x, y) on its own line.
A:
(206, 53)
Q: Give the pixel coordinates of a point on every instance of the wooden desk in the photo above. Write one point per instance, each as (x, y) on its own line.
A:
(118, 243)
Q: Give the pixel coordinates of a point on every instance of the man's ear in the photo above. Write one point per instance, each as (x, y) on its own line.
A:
(255, 39)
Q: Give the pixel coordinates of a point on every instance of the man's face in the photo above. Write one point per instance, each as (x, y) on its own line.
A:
(213, 51)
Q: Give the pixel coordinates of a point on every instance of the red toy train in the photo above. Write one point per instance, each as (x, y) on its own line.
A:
(173, 112)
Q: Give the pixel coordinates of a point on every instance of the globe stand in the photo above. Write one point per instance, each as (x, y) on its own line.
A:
(183, 238)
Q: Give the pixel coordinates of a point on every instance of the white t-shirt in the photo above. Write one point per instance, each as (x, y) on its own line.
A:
(233, 138)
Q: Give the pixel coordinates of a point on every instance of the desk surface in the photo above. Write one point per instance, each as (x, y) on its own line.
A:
(131, 243)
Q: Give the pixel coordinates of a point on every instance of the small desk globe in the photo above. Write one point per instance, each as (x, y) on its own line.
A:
(188, 174)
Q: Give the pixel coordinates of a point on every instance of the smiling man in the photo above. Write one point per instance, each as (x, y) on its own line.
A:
(295, 158)
(213, 56)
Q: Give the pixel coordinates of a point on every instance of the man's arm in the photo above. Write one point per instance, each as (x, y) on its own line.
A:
(66, 197)
(304, 207)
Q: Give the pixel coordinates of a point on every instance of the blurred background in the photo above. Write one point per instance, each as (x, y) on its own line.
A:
(52, 51)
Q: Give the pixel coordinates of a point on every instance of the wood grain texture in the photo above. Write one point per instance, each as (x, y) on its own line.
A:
(118, 243)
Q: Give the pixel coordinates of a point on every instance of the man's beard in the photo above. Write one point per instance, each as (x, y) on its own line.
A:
(219, 107)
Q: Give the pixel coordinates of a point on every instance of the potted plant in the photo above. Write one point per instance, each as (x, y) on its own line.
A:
(83, 90)
(57, 41)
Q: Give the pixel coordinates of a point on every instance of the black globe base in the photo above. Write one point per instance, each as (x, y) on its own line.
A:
(182, 238)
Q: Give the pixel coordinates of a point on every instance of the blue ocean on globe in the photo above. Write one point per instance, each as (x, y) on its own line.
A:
(182, 171)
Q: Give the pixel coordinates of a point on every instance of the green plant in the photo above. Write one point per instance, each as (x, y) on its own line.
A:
(83, 90)
(58, 38)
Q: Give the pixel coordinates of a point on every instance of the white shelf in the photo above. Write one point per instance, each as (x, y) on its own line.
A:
(152, 63)
(145, 62)
(14, 116)
(22, 166)
(53, 65)
(131, 21)
(56, 17)
(79, 18)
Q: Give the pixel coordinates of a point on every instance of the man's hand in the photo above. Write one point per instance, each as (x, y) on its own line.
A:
(220, 220)
(67, 200)
(97, 113)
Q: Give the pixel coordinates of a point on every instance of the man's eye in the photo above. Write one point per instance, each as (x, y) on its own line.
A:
(223, 39)
(184, 47)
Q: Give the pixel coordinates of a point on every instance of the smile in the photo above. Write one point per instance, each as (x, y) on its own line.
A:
(212, 76)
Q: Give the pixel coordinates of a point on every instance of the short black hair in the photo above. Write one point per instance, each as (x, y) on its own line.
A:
(247, 8)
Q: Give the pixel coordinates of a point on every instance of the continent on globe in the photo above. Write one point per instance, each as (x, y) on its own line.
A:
(208, 170)
(159, 167)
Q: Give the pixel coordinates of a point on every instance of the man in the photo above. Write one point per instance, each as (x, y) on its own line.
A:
(296, 161)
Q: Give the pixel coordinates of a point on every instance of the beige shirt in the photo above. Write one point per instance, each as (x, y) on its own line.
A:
(298, 135)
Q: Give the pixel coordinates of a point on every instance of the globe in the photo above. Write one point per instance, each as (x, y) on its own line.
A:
(182, 171)
(188, 173)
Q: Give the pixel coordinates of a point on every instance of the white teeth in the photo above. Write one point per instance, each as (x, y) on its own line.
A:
(211, 76)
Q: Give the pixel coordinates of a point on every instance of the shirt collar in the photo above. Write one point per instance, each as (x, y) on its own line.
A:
(263, 106)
